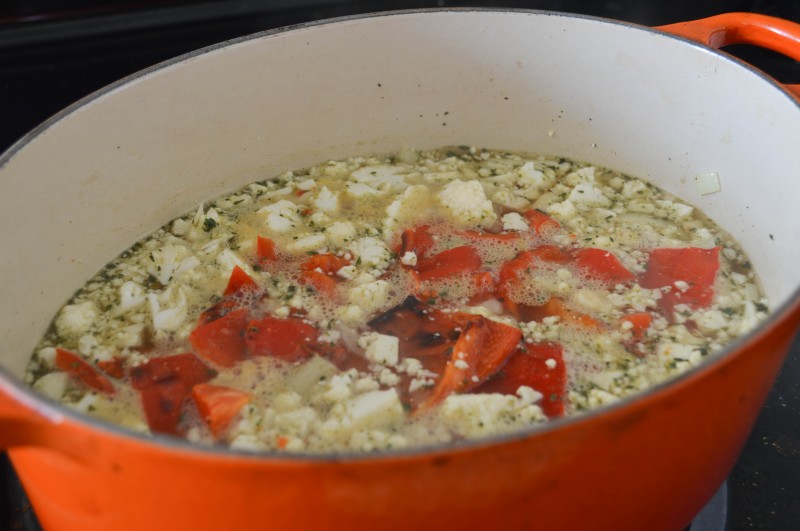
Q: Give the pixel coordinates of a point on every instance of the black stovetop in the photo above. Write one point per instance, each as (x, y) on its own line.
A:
(53, 52)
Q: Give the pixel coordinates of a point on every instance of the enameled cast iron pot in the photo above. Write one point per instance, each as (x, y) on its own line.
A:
(124, 161)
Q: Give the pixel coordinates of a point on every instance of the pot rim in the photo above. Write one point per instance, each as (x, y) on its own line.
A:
(56, 413)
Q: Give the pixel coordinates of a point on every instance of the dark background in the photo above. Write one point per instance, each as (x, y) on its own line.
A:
(54, 52)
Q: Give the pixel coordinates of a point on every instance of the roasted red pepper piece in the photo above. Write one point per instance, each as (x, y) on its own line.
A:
(239, 282)
(695, 266)
(481, 236)
(265, 250)
(640, 322)
(327, 263)
(418, 240)
(320, 282)
(162, 404)
(218, 405)
(318, 272)
(424, 332)
(455, 261)
(483, 287)
(221, 341)
(602, 265)
(187, 368)
(515, 271)
(555, 307)
(339, 355)
(115, 367)
(286, 339)
(529, 366)
(482, 348)
(540, 222)
(81, 370)
(164, 384)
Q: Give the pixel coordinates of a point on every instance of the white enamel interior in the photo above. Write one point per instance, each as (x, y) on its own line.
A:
(130, 159)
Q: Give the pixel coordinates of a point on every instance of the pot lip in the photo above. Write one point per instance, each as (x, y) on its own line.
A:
(57, 414)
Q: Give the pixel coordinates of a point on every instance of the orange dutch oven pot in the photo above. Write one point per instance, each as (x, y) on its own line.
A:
(124, 161)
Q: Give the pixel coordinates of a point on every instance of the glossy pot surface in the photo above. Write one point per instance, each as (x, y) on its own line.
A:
(125, 161)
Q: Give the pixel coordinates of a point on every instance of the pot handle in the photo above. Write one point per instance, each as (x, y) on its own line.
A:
(24, 422)
(775, 34)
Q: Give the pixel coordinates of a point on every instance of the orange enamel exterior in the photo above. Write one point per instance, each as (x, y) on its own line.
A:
(610, 471)
(743, 28)
(646, 463)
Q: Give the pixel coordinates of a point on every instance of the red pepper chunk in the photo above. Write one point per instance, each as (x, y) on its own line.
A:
(326, 263)
(265, 251)
(515, 270)
(164, 384)
(186, 368)
(555, 307)
(239, 282)
(695, 266)
(640, 322)
(163, 404)
(286, 339)
(602, 265)
(455, 261)
(218, 405)
(81, 370)
(540, 222)
(529, 366)
(322, 283)
(418, 240)
(317, 272)
(482, 348)
(221, 341)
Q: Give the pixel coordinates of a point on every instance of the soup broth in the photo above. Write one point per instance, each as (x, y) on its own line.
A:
(392, 301)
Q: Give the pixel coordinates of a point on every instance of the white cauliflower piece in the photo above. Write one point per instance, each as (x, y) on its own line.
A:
(380, 348)
(362, 190)
(371, 253)
(340, 233)
(131, 295)
(588, 195)
(374, 409)
(370, 296)
(514, 221)
(281, 216)
(326, 200)
(76, 319)
(412, 205)
(467, 204)
(313, 241)
(385, 178)
(476, 415)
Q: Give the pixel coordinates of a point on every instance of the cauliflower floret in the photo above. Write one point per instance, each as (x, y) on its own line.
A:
(326, 200)
(514, 221)
(467, 204)
(380, 348)
(340, 233)
(588, 195)
(362, 190)
(305, 243)
(475, 415)
(76, 319)
(413, 204)
(281, 216)
(387, 178)
(374, 409)
(371, 253)
(370, 296)
(166, 262)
